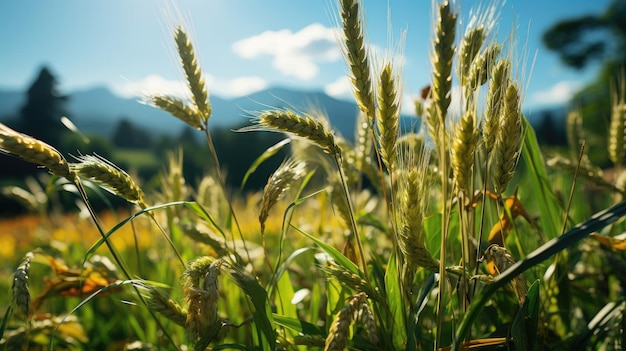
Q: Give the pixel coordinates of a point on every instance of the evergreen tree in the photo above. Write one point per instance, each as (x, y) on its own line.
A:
(41, 115)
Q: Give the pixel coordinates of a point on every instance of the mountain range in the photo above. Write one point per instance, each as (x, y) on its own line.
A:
(97, 110)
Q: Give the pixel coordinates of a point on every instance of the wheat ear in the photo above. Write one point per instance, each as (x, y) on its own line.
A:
(508, 139)
(482, 68)
(307, 127)
(278, 183)
(201, 295)
(617, 132)
(495, 102)
(338, 333)
(357, 56)
(366, 317)
(178, 109)
(470, 47)
(575, 132)
(20, 290)
(352, 281)
(192, 73)
(441, 58)
(388, 116)
(161, 303)
(102, 172)
(463, 150)
(411, 210)
(34, 151)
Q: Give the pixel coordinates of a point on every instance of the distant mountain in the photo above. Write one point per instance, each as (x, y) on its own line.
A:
(97, 110)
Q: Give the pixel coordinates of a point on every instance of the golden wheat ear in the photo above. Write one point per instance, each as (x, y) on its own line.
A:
(104, 173)
(35, 151)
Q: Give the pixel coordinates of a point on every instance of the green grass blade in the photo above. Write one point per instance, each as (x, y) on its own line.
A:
(262, 314)
(298, 325)
(598, 325)
(540, 184)
(395, 300)
(92, 250)
(596, 223)
(339, 258)
(271, 151)
(5, 320)
(524, 327)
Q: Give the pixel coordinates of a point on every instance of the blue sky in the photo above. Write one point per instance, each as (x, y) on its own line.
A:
(248, 45)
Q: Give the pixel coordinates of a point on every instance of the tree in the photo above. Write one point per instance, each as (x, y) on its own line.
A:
(128, 135)
(593, 37)
(41, 115)
(580, 41)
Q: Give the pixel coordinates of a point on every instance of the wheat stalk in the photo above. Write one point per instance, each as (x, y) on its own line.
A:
(357, 56)
(192, 73)
(102, 172)
(34, 151)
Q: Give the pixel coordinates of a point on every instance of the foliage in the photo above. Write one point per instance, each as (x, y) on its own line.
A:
(464, 238)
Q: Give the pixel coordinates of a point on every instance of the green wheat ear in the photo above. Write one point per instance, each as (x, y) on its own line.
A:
(195, 81)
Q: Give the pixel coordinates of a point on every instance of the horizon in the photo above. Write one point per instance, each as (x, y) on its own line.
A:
(127, 47)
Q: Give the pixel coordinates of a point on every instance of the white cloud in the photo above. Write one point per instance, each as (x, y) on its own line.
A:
(241, 86)
(157, 85)
(294, 54)
(340, 88)
(559, 93)
(151, 85)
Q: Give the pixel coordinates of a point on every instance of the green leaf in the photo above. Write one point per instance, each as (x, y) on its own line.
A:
(262, 314)
(524, 327)
(92, 250)
(540, 184)
(339, 258)
(598, 325)
(395, 300)
(545, 251)
(298, 325)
